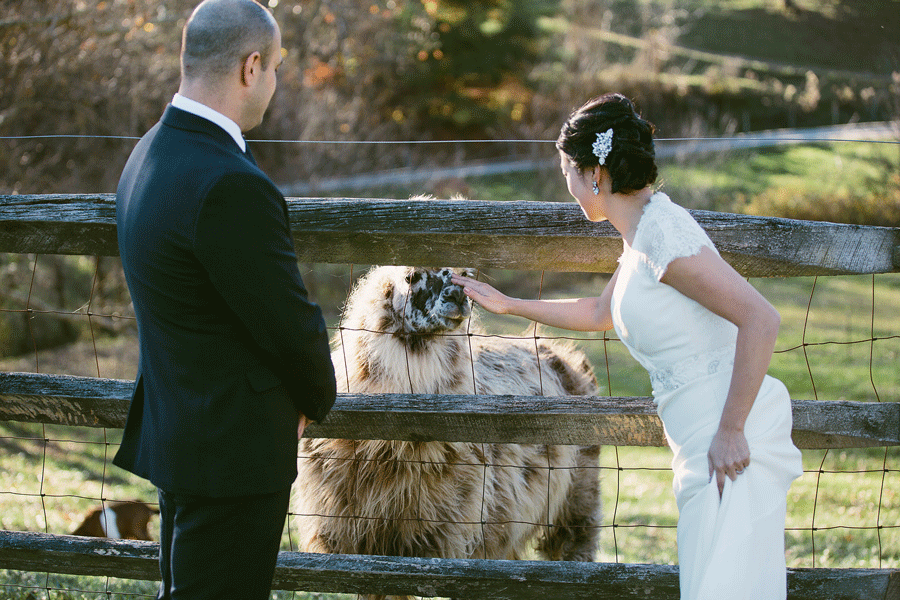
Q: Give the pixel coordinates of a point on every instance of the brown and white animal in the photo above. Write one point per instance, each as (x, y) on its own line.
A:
(405, 331)
(125, 520)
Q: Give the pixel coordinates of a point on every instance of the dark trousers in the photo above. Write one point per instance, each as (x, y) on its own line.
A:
(219, 547)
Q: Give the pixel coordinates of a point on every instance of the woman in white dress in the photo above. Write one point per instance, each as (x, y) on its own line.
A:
(706, 337)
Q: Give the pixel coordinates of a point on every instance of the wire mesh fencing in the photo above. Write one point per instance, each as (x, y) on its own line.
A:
(839, 341)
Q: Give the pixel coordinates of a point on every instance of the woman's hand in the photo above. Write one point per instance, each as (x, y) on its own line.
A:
(729, 455)
(709, 280)
(484, 294)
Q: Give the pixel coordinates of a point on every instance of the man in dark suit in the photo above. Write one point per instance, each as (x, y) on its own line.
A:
(234, 358)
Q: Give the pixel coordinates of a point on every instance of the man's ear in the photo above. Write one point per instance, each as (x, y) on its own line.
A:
(250, 68)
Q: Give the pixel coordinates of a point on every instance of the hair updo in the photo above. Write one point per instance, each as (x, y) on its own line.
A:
(631, 161)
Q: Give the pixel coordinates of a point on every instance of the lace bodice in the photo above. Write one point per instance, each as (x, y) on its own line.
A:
(667, 232)
(674, 337)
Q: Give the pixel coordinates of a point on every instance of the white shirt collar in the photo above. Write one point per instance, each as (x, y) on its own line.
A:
(201, 110)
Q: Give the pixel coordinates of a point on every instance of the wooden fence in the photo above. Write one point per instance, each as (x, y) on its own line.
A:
(518, 235)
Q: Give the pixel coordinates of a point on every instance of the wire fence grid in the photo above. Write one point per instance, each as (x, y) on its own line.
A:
(843, 512)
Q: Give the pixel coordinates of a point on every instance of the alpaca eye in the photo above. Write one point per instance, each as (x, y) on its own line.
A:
(413, 277)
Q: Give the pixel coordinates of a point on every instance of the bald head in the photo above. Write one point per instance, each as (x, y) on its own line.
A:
(220, 34)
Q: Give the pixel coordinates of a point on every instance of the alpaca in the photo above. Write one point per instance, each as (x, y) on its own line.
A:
(407, 330)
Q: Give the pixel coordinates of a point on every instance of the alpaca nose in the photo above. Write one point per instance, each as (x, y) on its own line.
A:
(454, 293)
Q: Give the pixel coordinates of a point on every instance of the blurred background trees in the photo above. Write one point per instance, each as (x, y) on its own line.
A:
(95, 75)
(370, 70)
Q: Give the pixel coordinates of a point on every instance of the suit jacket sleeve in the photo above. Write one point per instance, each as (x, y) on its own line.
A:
(244, 242)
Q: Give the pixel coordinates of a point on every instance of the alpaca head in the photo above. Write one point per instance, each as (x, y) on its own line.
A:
(411, 303)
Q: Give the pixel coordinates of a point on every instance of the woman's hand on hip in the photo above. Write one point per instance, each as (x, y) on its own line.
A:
(729, 455)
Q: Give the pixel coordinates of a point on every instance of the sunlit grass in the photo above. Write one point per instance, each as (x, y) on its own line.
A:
(818, 172)
(847, 515)
(844, 516)
(838, 341)
(849, 326)
(854, 505)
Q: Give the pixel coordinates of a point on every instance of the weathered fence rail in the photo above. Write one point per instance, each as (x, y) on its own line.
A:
(93, 402)
(517, 235)
(476, 579)
(472, 233)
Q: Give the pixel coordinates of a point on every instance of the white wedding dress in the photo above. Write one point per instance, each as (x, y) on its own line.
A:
(730, 548)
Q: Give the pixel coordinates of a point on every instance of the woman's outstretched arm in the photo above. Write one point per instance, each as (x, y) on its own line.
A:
(576, 314)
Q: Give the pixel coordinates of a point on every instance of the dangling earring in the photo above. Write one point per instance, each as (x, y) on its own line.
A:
(596, 189)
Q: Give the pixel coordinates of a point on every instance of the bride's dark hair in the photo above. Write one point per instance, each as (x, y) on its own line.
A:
(632, 159)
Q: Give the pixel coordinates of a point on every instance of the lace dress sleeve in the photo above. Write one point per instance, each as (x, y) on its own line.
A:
(666, 232)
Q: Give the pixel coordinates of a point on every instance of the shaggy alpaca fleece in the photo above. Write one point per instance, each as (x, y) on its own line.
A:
(407, 330)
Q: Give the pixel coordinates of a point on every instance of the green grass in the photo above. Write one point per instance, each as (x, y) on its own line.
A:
(838, 341)
(813, 173)
(849, 326)
(31, 586)
(845, 504)
(771, 181)
(763, 30)
(852, 349)
(847, 321)
(50, 476)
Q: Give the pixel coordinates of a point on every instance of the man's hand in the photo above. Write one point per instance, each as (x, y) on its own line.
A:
(303, 423)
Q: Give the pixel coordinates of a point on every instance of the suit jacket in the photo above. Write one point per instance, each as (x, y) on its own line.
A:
(231, 348)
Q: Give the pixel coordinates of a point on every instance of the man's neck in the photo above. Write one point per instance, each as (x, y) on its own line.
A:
(211, 114)
(213, 97)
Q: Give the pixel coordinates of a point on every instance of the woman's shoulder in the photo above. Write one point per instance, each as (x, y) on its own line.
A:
(661, 209)
(667, 231)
